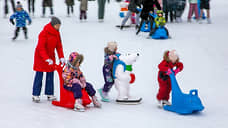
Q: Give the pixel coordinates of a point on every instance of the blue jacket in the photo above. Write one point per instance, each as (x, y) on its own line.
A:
(20, 17)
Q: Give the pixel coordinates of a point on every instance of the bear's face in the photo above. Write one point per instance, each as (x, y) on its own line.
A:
(129, 59)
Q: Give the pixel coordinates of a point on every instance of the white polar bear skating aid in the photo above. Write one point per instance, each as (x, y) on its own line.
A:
(122, 70)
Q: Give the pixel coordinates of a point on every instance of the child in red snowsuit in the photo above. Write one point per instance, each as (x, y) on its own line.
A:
(170, 63)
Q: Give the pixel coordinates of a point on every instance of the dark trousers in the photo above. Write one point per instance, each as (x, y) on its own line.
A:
(108, 78)
(77, 90)
(151, 20)
(51, 11)
(6, 8)
(49, 85)
(83, 15)
(70, 9)
(101, 8)
(31, 6)
(17, 30)
(172, 15)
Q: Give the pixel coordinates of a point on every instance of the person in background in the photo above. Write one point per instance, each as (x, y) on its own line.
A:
(70, 7)
(21, 16)
(31, 6)
(193, 7)
(205, 4)
(47, 3)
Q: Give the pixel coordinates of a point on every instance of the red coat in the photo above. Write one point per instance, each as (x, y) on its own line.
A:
(164, 80)
(164, 66)
(49, 40)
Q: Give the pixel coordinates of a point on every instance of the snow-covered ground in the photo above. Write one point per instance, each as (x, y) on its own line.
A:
(202, 48)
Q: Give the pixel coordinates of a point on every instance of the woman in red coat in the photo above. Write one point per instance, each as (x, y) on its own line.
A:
(170, 62)
(44, 59)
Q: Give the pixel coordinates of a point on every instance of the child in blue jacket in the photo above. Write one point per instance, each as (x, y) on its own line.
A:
(20, 15)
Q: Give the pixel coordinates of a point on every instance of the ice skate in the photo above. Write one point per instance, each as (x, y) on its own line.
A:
(104, 95)
(51, 97)
(96, 103)
(78, 106)
(36, 99)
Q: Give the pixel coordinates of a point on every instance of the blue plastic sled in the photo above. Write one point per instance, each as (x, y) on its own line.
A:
(183, 103)
(160, 33)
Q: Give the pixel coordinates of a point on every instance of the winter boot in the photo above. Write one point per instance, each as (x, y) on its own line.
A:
(96, 103)
(104, 95)
(162, 103)
(25, 32)
(51, 97)
(36, 99)
(78, 106)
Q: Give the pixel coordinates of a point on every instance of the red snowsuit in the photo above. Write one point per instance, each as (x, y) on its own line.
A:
(164, 80)
(49, 40)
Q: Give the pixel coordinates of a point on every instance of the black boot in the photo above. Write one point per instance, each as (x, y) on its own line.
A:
(16, 33)
(25, 32)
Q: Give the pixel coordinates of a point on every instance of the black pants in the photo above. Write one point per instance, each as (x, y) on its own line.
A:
(151, 20)
(31, 6)
(154, 30)
(172, 15)
(17, 30)
(83, 15)
(51, 10)
(70, 9)
(6, 8)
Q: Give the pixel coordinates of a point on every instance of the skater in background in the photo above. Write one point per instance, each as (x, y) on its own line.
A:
(21, 16)
(148, 7)
(70, 6)
(6, 8)
(83, 9)
(169, 7)
(101, 10)
(169, 63)
(205, 4)
(193, 7)
(75, 81)
(109, 57)
(180, 6)
(159, 22)
(132, 8)
(47, 3)
(31, 6)
(44, 58)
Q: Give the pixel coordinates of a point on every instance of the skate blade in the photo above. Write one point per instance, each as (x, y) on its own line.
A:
(79, 110)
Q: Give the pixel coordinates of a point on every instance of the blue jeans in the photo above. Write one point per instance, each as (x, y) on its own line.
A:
(49, 85)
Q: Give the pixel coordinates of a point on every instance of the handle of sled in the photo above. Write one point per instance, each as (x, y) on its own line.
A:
(194, 92)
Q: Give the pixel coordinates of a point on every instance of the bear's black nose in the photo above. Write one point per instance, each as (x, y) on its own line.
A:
(137, 54)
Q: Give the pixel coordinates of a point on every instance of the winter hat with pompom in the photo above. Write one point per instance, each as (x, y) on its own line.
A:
(74, 58)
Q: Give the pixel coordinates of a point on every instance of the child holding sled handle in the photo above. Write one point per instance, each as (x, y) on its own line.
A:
(74, 81)
(109, 57)
(159, 22)
(169, 64)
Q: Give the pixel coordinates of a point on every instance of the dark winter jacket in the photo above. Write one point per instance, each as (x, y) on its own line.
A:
(47, 3)
(169, 5)
(21, 17)
(148, 5)
(133, 5)
(69, 2)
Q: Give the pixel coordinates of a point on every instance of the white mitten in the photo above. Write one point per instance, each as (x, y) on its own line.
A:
(50, 61)
(62, 61)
